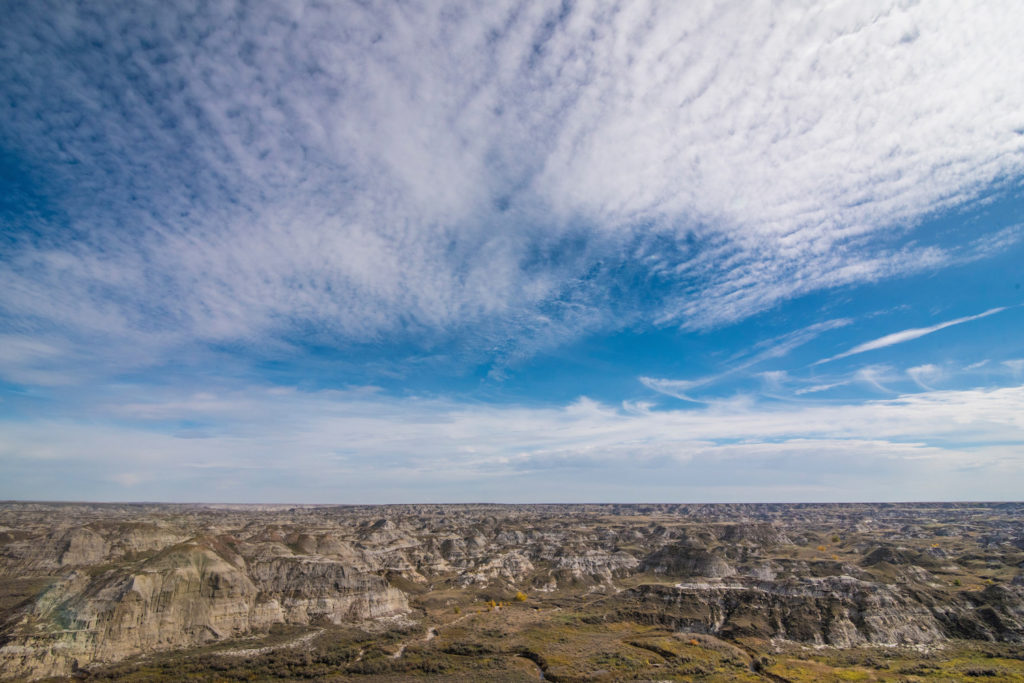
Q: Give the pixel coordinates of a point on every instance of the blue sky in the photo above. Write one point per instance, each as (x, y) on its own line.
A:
(400, 252)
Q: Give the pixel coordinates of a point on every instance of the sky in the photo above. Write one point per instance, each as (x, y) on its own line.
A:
(389, 252)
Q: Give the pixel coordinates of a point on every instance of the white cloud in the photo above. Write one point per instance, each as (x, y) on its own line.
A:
(26, 360)
(774, 379)
(815, 388)
(781, 346)
(874, 375)
(908, 335)
(368, 447)
(925, 374)
(482, 173)
(676, 388)
(769, 349)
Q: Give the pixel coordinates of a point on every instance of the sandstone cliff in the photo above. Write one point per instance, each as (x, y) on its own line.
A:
(183, 595)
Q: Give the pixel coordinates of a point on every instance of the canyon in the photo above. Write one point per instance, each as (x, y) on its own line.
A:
(512, 592)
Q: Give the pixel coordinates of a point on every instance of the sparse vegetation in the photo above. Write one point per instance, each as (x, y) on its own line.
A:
(658, 596)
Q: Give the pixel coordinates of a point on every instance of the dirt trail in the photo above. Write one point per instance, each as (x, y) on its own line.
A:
(431, 634)
(254, 651)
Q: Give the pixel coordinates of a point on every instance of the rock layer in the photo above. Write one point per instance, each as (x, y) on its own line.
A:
(92, 584)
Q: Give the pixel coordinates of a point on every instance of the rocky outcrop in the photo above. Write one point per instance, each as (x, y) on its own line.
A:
(82, 545)
(995, 613)
(756, 533)
(314, 590)
(599, 565)
(686, 561)
(837, 611)
(513, 567)
(186, 595)
(840, 611)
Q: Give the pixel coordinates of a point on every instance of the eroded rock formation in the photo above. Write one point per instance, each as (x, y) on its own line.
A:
(85, 585)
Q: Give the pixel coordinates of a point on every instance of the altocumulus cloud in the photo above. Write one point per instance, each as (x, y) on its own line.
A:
(194, 193)
(478, 175)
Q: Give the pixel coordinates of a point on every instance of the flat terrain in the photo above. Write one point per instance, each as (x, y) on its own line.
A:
(886, 592)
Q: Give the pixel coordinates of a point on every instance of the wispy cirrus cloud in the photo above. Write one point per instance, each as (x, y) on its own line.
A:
(888, 380)
(908, 335)
(480, 177)
(925, 374)
(825, 386)
(770, 349)
(676, 388)
(877, 377)
(783, 345)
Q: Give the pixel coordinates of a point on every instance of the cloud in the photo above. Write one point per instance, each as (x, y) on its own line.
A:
(996, 243)
(769, 349)
(883, 378)
(874, 375)
(353, 446)
(925, 373)
(774, 379)
(781, 346)
(821, 387)
(481, 177)
(676, 388)
(908, 335)
(26, 360)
